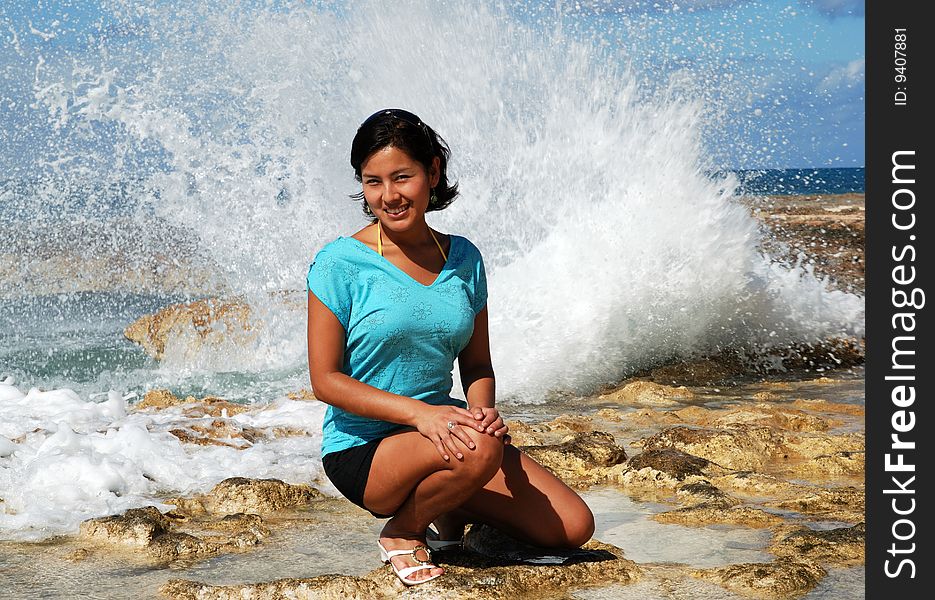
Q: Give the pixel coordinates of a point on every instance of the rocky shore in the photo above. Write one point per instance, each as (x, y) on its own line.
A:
(714, 444)
(826, 232)
(792, 467)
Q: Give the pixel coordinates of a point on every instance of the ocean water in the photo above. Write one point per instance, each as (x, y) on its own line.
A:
(788, 182)
(203, 152)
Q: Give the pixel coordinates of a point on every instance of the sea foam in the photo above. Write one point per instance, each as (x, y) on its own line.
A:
(64, 459)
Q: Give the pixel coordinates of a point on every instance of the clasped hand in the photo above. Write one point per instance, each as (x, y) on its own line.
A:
(434, 425)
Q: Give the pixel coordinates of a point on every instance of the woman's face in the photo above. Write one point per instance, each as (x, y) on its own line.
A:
(397, 188)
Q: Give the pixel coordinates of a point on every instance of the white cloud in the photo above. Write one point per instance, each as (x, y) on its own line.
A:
(847, 75)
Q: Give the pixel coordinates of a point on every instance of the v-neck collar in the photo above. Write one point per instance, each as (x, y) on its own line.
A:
(386, 261)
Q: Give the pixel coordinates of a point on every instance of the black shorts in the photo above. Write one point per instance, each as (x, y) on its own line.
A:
(349, 470)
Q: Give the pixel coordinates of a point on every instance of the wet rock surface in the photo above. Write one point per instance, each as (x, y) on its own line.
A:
(780, 579)
(580, 457)
(212, 321)
(829, 230)
(493, 567)
(841, 546)
(210, 421)
(647, 393)
(226, 519)
(242, 495)
(716, 514)
(155, 536)
(739, 448)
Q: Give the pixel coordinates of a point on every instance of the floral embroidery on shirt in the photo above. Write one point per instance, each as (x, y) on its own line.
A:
(351, 270)
(395, 337)
(343, 311)
(400, 295)
(467, 310)
(422, 311)
(325, 266)
(441, 329)
(373, 320)
(425, 371)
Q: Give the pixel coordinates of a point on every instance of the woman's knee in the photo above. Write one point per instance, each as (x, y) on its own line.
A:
(574, 528)
(579, 527)
(486, 457)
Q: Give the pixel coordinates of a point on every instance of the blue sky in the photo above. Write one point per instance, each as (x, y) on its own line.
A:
(786, 78)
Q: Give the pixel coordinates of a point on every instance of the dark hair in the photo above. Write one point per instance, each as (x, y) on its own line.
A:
(403, 130)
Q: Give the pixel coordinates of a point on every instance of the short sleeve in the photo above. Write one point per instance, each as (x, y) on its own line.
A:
(480, 284)
(327, 280)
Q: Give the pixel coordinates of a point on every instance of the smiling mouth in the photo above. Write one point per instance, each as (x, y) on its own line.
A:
(396, 211)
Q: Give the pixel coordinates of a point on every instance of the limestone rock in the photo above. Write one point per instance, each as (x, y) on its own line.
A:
(703, 371)
(704, 515)
(549, 432)
(567, 424)
(523, 434)
(814, 445)
(824, 406)
(137, 527)
(821, 468)
(741, 448)
(648, 417)
(158, 399)
(203, 322)
(844, 503)
(186, 508)
(303, 394)
(672, 462)
(843, 546)
(171, 546)
(673, 471)
(242, 495)
(786, 419)
(647, 393)
(324, 587)
(580, 456)
(760, 485)
(781, 579)
(218, 432)
(703, 492)
(209, 406)
(155, 534)
(503, 570)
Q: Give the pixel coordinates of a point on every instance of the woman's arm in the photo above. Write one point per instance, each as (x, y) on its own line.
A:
(477, 378)
(330, 385)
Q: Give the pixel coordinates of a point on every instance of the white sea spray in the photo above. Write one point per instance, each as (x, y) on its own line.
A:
(64, 459)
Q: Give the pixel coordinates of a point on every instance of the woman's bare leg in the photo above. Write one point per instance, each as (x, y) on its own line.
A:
(411, 481)
(527, 501)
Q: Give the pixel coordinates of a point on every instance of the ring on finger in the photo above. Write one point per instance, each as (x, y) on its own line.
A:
(451, 425)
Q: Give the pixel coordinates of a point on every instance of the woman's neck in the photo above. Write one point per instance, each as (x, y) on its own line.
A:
(415, 237)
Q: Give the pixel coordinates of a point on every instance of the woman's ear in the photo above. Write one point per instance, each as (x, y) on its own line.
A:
(435, 172)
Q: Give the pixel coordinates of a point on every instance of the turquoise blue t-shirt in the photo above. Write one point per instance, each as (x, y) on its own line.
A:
(400, 336)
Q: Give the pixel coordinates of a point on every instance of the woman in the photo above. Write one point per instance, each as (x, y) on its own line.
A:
(389, 309)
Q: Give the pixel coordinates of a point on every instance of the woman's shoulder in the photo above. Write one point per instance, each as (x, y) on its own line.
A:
(467, 248)
(340, 248)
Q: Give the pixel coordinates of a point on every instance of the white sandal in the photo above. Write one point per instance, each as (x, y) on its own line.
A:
(404, 573)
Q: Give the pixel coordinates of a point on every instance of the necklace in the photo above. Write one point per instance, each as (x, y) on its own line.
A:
(380, 241)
